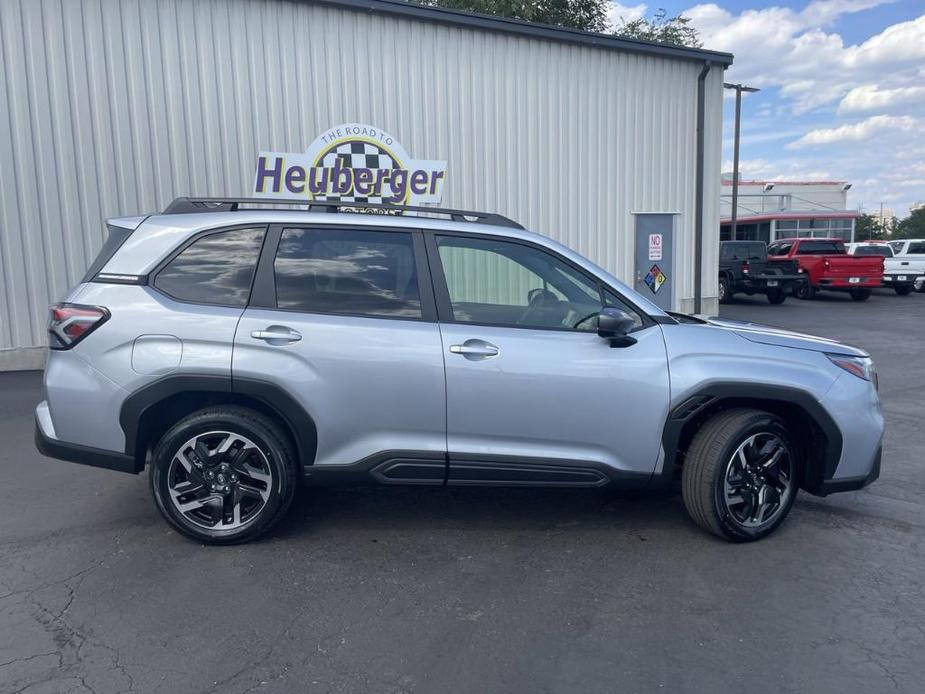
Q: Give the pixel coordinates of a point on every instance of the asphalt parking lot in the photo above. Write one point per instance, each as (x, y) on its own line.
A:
(470, 590)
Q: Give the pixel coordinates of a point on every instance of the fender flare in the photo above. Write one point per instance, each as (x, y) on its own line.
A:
(293, 415)
(710, 398)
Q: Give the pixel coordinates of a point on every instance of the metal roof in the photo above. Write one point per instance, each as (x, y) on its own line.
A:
(472, 20)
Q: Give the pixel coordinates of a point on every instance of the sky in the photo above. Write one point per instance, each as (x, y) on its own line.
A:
(842, 90)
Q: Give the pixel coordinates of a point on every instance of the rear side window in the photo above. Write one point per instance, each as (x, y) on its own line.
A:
(820, 248)
(214, 269)
(117, 236)
(916, 247)
(353, 272)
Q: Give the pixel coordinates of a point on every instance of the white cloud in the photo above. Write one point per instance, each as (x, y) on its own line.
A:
(790, 49)
(870, 97)
(618, 14)
(854, 132)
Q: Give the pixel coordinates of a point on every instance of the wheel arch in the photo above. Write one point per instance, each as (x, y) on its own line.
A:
(814, 431)
(148, 412)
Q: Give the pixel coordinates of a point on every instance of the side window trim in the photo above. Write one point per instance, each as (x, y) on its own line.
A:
(442, 292)
(263, 294)
(151, 278)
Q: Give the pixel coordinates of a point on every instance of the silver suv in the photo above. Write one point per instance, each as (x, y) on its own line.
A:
(236, 351)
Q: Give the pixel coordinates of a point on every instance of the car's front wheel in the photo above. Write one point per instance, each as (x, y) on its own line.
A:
(223, 475)
(725, 296)
(740, 475)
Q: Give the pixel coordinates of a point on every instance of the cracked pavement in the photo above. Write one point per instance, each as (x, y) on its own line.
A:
(473, 590)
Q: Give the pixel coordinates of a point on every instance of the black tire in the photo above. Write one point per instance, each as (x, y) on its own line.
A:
(776, 296)
(804, 290)
(859, 294)
(902, 289)
(919, 285)
(275, 456)
(725, 296)
(706, 468)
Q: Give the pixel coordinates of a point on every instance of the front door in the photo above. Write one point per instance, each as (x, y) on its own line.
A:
(534, 396)
(655, 258)
(343, 320)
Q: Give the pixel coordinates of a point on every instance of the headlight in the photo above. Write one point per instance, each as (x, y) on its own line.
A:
(862, 367)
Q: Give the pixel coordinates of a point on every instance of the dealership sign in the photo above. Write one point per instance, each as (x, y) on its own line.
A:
(351, 163)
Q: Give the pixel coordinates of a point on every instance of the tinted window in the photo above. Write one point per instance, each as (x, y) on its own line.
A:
(214, 269)
(370, 273)
(881, 250)
(744, 251)
(820, 248)
(511, 284)
(916, 247)
(779, 248)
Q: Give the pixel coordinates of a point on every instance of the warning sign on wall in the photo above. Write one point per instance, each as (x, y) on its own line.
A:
(655, 246)
(655, 277)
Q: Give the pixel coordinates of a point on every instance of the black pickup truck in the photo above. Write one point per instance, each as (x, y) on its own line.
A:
(744, 267)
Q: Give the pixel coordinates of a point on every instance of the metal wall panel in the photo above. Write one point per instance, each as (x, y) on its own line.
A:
(111, 107)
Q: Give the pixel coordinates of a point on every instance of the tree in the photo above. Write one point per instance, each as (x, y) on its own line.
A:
(867, 227)
(586, 15)
(913, 226)
(661, 29)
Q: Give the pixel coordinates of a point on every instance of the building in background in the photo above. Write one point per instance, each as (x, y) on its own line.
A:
(770, 210)
(112, 107)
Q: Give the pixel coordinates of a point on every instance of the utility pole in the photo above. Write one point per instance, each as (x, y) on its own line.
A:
(882, 230)
(739, 88)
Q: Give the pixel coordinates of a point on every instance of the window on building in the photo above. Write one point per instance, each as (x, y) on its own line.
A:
(214, 269)
(366, 273)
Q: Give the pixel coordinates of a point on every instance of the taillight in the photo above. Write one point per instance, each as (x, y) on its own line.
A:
(825, 263)
(745, 268)
(70, 323)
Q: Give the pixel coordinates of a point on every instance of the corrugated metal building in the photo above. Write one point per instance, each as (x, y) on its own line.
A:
(114, 107)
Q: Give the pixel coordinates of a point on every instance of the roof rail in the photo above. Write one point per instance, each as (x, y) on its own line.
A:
(188, 205)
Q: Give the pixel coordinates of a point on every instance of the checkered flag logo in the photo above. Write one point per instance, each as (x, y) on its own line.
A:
(357, 155)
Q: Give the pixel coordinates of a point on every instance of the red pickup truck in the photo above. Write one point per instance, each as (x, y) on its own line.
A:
(827, 265)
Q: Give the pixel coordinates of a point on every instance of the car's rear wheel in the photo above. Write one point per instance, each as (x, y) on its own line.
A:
(776, 296)
(223, 475)
(902, 289)
(724, 296)
(740, 475)
(859, 294)
(919, 285)
(804, 290)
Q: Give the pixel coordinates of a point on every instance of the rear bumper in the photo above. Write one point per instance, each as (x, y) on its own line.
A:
(762, 283)
(49, 445)
(850, 484)
(898, 278)
(845, 283)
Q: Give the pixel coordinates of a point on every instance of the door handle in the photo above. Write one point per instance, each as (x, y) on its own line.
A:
(478, 349)
(277, 334)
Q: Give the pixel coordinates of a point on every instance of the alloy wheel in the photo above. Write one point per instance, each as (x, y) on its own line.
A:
(219, 480)
(758, 480)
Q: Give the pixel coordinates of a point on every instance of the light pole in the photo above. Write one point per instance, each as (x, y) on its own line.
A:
(735, 152)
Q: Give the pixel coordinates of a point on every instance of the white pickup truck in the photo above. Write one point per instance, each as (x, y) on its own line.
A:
(911, 254)
(901, 272)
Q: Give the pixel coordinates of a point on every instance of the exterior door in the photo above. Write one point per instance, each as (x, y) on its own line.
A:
(655, 258)
(534, 395)
(343, 319)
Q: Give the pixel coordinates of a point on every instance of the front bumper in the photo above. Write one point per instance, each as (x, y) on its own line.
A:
(49, 445)
(850, 484)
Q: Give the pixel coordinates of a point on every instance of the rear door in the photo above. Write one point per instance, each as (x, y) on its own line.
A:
(343, 319)
(534, 395)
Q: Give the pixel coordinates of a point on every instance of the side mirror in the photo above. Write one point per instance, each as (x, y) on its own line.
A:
(614, 325)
